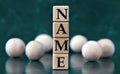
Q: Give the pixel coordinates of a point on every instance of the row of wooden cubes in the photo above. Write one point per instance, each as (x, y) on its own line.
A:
(60, 37)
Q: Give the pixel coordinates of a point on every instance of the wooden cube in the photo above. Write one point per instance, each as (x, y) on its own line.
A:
(60, 61)
(60, 29)
(60, 13)
(60, 45)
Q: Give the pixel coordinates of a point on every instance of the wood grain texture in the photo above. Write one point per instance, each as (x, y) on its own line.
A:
(60, 13)
(60, 29)
(60, 61)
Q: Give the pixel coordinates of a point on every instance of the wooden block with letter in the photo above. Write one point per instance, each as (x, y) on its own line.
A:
(61, 45)
(60, 61)
(60, 13)
(60, 29)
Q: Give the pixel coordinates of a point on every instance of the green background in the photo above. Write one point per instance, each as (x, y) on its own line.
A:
(26, 19)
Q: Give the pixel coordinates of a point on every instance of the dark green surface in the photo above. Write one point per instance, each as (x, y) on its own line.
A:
(93, 18)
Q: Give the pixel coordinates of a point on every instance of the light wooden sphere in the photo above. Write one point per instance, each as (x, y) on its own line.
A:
(91, 51)
(15, 47)
(34, 50)
(46, 40)
(108, 47)
(77, 42)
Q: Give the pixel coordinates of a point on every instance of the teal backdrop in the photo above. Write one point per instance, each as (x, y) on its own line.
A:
(26, 19)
